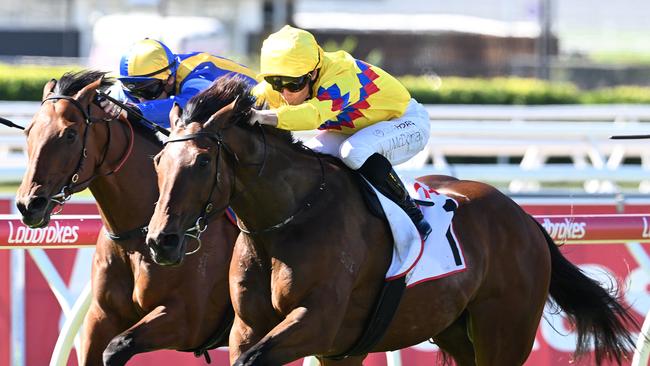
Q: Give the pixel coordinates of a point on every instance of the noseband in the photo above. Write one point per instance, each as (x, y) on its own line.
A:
(73, 181)
(217, 138)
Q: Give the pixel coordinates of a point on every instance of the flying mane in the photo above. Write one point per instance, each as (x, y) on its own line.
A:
(71, 82)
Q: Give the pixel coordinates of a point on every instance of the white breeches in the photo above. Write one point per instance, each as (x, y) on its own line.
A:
(398, 139)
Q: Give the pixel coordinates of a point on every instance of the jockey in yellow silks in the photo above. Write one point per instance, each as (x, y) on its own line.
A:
(367, 118)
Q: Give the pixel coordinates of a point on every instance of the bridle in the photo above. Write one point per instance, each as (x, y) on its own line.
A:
(201, 223)
(217, 138)
(72, 183)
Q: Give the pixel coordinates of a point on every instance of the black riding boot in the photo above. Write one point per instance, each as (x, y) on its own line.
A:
(379, 172)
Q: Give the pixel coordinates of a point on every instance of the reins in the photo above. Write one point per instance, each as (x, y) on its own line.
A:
(217, 138)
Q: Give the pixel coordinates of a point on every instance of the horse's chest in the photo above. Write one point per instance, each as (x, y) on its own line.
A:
(143, 283)
(287, 288)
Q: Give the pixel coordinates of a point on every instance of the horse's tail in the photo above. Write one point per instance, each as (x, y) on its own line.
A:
(595, 312)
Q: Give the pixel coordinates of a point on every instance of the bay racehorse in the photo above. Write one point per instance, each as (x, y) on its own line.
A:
(310, 262)
(137, 306)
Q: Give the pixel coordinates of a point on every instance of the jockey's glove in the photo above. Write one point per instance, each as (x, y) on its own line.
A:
(114, 111)
(264, 117)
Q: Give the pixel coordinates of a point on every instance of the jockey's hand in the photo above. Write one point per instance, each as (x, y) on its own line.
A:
(264, 117)
(112, 110)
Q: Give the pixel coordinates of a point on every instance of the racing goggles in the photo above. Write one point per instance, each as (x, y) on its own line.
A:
(148, 89)
(292, 84)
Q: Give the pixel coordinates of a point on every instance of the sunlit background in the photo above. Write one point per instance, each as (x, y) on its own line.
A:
(592, 43)
(522, 94)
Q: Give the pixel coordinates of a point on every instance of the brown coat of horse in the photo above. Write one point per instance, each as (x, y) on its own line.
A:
(305, 280)
(137, 306)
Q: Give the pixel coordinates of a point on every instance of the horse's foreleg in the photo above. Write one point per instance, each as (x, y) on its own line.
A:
(242, 337)
(157, 330)
(99, 328)
(306, 330)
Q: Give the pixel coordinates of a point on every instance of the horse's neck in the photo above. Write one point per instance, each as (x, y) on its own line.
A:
(126, 198)
(289, 181)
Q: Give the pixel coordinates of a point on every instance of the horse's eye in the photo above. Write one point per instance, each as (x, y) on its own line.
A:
(203, 161)
(70, 136)
(156, 159)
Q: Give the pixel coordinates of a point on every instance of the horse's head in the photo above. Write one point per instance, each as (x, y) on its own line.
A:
(58, 142)
(196, 167)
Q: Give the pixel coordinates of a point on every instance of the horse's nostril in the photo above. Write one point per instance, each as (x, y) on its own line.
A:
(21, 208)
(37, 204)
(169, 241)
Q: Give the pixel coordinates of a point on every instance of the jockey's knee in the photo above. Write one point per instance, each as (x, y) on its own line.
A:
(355, 155)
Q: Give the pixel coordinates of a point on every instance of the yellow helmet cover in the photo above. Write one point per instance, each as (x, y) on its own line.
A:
(290, 52)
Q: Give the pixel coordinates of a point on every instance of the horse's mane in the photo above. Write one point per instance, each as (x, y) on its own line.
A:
(73, 81)
(221, 93)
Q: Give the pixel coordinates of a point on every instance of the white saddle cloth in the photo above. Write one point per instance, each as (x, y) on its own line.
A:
(440, 256)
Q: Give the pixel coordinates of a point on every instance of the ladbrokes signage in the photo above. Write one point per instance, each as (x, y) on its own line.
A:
(565, 229)
(62, 232)
(53, 234)
(596, 229)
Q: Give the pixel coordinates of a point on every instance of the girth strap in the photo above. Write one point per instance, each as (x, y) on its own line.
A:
(389, 299)
(219, 337)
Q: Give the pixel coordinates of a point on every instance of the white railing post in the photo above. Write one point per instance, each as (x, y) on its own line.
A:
(73, 323)
(17, 285)
(393, 358)
(642, 347)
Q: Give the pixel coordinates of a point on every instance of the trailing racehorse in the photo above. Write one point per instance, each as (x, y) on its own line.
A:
(309, 265)
(137, 306)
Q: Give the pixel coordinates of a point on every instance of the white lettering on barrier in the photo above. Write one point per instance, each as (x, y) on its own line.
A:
(569, 229)
(56, 233)
(646, 230)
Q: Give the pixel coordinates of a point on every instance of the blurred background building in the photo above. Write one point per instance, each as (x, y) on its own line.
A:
(591, 43)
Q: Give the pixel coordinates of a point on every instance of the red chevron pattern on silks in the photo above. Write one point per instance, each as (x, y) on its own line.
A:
(351, 112)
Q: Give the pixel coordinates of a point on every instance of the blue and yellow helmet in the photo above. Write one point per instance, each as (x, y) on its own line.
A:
(145, 60)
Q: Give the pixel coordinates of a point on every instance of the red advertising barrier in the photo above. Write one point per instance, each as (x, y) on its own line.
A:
(79, 231)
(592, 226)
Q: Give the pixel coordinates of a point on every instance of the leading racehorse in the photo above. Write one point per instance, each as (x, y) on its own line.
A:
(137, 306)
(310, 263)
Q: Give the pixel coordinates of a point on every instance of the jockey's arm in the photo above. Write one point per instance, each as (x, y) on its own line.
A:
(158, 110)
(309, 115)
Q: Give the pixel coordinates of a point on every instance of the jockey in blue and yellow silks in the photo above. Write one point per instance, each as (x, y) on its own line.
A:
(153, 78)
(367, 117)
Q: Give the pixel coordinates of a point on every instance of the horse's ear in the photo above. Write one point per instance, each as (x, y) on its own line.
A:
(219, 119)
(86, 95)
(48, 88)
(175, 116)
